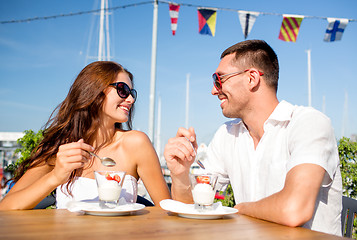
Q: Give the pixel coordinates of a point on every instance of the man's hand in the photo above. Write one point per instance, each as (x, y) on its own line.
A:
(180, 153)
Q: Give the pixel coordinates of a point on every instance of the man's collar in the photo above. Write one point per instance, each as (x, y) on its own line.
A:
(282, 112)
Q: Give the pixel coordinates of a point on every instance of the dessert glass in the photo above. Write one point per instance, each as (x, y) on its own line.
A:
(203, 190)
(109, 185)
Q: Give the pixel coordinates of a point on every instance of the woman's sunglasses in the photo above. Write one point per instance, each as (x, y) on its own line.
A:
(124, 90)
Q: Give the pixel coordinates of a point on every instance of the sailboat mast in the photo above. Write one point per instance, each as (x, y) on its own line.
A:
(158, 130)
(108, 57)
(153, 73)
(101, 31)
(187, 98)
(309, 75)
(345, 115)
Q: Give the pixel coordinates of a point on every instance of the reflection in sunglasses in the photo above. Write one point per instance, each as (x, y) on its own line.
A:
(217, 79)
(124, 90)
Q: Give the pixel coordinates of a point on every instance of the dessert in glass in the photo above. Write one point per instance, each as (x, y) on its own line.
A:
(203, 190)
(109, 185)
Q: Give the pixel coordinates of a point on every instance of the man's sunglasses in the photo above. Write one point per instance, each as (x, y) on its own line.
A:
(124, 90)
(217, 79)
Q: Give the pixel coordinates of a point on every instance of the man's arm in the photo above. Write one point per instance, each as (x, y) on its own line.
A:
(294, 205)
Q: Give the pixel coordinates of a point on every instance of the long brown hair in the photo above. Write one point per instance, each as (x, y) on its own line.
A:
(78, 116)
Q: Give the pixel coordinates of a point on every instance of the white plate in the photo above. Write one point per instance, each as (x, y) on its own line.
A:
(208, 215)
(188, 210)
(92, 208)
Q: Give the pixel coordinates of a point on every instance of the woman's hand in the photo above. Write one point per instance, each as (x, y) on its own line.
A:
(71, 156)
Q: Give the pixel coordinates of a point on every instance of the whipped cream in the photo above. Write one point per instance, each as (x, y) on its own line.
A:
(109, 191)
(203, 194)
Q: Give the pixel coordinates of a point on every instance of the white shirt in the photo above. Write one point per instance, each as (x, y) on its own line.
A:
(293, 135)
(86, 189)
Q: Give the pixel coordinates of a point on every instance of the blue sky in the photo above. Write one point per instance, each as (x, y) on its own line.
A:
(40, 59)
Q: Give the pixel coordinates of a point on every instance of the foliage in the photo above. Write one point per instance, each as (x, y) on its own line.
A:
(347, 150)
(348, 159)
(228, 200)
(27, 144)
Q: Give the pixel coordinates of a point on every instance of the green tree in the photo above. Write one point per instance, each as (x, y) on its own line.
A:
(347, 150)
(27, 144)
(228, 200)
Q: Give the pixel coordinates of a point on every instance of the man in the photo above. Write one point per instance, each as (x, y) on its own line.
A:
(281, 160)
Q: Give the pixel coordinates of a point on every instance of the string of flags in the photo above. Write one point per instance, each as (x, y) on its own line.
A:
(289, 29)
(207, 18)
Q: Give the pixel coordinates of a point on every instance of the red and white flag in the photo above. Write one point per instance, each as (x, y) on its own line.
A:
(174, 11)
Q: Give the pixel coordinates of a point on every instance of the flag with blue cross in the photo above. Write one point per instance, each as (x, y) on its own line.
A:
(335, 29)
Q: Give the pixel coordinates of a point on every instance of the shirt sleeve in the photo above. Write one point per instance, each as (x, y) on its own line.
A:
(311, 140)
(214, 162)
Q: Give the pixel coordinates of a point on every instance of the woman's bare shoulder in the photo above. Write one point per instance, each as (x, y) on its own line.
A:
(136, 143)
(134, 137)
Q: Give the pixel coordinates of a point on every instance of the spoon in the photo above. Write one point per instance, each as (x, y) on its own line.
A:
(108, 162)
(196, 160)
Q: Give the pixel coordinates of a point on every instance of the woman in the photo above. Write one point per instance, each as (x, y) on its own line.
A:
(91, 118)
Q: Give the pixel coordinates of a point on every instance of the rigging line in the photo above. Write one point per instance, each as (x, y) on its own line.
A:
(73, 14)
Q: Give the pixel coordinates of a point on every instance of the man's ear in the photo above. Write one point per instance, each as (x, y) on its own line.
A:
(254, 79)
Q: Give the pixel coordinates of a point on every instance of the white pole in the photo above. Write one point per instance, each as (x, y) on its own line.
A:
(345, 115)
(187, 98)
(158, 129)
(107, 31)
(153, 73)
(309, 74)
(101, 33)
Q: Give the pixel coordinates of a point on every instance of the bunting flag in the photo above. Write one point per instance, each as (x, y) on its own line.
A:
(247, 20)
(174, 12)
(335, 29)
(290, 27)
(207, 21)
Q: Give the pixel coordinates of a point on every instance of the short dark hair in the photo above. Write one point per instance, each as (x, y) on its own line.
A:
(257, 54)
